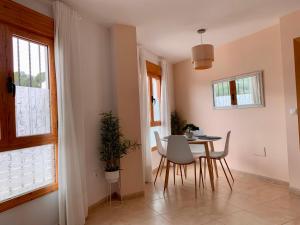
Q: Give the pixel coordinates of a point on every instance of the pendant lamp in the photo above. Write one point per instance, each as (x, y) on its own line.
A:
(203, 54)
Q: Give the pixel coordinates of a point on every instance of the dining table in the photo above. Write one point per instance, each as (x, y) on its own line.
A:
(208, 142)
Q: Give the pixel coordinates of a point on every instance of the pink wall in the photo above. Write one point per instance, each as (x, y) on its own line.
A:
(126, 95)
(253, 129)
(290, 29)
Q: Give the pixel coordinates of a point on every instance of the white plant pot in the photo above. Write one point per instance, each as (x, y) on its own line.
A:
(112, 177)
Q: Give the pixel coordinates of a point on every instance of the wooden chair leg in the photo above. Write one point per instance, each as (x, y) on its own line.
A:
(195, 171)
(205, 166)
(163, 163)
(212, 149)
(181, 174)
(201, 174)
(167, 175)
(174, 172)
(216, 168)
(225, 174)
(161, 159)
(229, 170)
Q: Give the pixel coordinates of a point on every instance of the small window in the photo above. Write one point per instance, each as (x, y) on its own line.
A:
(154, 82)
(239, 92)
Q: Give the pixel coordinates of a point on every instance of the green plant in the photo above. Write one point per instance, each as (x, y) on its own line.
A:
(113, 143)
(177, 124)
(190, 127)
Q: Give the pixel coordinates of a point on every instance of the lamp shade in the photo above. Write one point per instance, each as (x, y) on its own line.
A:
(202, 56)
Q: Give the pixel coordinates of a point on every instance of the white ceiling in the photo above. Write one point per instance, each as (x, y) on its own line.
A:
(168, 27)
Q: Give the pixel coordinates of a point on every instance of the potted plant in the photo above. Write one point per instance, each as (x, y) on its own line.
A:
(177, 124)
(113, 146)
(189, 128)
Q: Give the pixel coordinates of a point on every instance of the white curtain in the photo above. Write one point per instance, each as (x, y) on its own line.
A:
(145, 117)
(71, 167)
(165, 100)
(254, 89)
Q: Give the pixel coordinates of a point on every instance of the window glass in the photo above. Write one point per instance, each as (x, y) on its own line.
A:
(25, 170)
(248, 91)
(152, 137)
(222, 94)
(156, 99)
(240, 91)
(32, 101)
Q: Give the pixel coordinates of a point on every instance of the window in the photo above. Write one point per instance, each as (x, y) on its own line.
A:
(239, 92)
(154, 81)
(28, 108)
(32, 103)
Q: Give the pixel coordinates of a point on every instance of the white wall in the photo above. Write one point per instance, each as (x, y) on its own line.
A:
(96, 89)
(97, 95)
(42, 211)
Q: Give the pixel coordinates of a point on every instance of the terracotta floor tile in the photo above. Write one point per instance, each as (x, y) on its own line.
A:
(293, 222)
(253, 201)
(243, 218)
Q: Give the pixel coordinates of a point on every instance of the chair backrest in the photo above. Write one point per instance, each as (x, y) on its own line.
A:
(160, 148)
(178, 150)
(226, 149)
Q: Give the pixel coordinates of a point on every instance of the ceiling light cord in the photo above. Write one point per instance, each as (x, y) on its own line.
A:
(201, 32)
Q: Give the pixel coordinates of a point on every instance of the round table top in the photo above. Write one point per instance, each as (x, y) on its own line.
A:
(198, 139)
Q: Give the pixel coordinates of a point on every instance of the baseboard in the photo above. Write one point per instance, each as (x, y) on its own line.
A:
(116, 196)
(132, 196)
(269, 179)
(295, 191)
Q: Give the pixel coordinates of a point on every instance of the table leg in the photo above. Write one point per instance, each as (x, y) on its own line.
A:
(162, 165)
(205, 166)
(167, 176)
(210, 168)
(212, 149)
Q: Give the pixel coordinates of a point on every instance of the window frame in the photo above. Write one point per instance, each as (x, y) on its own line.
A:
(153, 72)
(19, 21)
(233, 91)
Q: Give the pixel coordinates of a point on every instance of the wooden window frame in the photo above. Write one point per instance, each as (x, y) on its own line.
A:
(153, 72)
(233, 90)
(297, 75)
(17, 20)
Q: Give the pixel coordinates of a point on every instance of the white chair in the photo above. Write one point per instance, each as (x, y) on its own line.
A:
(197, 149)
(218, 156)
(179, 153)
(162, 152)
